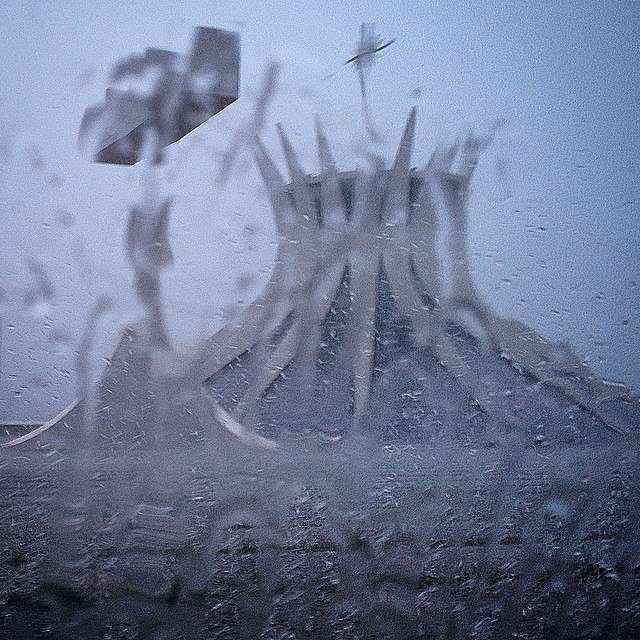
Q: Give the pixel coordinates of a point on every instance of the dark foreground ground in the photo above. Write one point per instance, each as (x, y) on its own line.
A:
(322, 540)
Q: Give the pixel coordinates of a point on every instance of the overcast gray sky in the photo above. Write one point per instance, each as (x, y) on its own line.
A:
(555, 228)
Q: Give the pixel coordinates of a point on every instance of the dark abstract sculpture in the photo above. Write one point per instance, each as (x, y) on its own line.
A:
(182, 95)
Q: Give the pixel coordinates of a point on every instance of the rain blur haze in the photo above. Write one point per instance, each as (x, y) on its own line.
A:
(554, 224)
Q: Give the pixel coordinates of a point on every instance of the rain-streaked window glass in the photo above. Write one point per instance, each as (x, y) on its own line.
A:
(319, 320)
